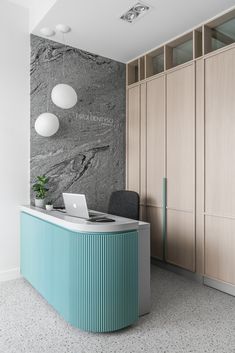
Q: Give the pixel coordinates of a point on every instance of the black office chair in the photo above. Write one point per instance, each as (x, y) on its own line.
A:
(124, 203)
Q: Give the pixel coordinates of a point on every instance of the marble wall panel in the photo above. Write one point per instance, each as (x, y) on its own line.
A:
(87, 154)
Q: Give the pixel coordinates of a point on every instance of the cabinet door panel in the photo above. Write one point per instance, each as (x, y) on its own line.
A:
(154, 217)
(181, 167)
(219, 166)
(133, 139)
(180, 239)
(155, 160)
(220, 133)
(200, 166)
(143, 213)
(155, 140)
(181, 139)
(143, 147)
(219, 248)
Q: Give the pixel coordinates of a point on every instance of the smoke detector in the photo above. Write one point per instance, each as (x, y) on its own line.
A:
(135, 12)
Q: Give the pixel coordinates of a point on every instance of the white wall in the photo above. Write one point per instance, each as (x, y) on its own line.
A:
(37, 9)
(14, 131)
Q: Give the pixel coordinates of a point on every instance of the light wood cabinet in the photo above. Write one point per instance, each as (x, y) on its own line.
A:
(220, 166)
(180, 239)
(220, 248)
(212, 36)
(154, 215)
(155, 140)
(133, 138)
(180, 171)
(180, 139)
(220, 134)
(136, 144)
(155, 125)
(181, 128)
(200, 132)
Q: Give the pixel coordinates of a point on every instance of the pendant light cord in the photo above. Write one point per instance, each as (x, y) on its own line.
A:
(48, 78)
(63, 55)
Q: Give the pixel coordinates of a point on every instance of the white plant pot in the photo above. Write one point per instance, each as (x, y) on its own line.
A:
(39, 203)
(49, 207)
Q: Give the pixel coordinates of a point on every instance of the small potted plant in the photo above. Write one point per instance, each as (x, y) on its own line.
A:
(41, 190)
(49, 206)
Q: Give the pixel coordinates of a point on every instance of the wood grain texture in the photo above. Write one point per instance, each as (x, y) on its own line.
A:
(180, 239)
(143, 124)
(154, 217)
(200, 166)
(220, 248)
(155, 140)
(143, 212)
(181, 139)
(220, 132)
(133, 130)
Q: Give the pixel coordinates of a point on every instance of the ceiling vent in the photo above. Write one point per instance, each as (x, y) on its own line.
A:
(135, 12)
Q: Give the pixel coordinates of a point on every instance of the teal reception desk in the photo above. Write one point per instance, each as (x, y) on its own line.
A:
(89, 272)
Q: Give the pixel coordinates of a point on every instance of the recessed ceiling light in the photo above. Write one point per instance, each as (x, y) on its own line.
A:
(63, 28)
(47, 32)
(136, 11)
(130, 16)
(140, 8)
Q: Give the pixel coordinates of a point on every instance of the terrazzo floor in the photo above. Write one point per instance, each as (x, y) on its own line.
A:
(185, 317)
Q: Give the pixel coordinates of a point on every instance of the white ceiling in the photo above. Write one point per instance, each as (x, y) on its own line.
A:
(24, 3)
(96, 26)
(37, 9)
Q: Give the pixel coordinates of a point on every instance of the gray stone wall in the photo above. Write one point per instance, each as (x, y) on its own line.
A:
(87, 155)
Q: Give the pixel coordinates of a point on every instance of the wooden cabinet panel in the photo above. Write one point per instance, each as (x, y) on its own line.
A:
(143, 147)
(180, 239)
(155, 101)
(143, 216)
(200, 166)
(220, 248)
(133, 138)
(155, 140)
(154, 217)
(180, 161)
(181, 139)
(220, 134)
(220, 166)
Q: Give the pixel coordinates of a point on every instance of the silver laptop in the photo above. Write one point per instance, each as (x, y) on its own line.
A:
(76, 206)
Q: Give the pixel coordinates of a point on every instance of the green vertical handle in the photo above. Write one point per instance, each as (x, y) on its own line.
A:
(164, 230)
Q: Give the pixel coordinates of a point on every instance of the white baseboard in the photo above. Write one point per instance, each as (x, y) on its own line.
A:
(9, 275)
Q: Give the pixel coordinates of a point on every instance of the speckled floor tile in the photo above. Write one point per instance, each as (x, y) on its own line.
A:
(185, 317)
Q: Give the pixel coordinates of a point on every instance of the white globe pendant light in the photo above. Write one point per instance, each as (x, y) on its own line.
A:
(47, 124)
(64, 96)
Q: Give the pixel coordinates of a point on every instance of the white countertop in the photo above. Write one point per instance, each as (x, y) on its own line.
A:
(81, 225)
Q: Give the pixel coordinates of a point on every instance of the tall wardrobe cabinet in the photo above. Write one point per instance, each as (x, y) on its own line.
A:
(181, 149)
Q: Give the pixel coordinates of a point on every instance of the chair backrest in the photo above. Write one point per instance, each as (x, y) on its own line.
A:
(124, 203)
